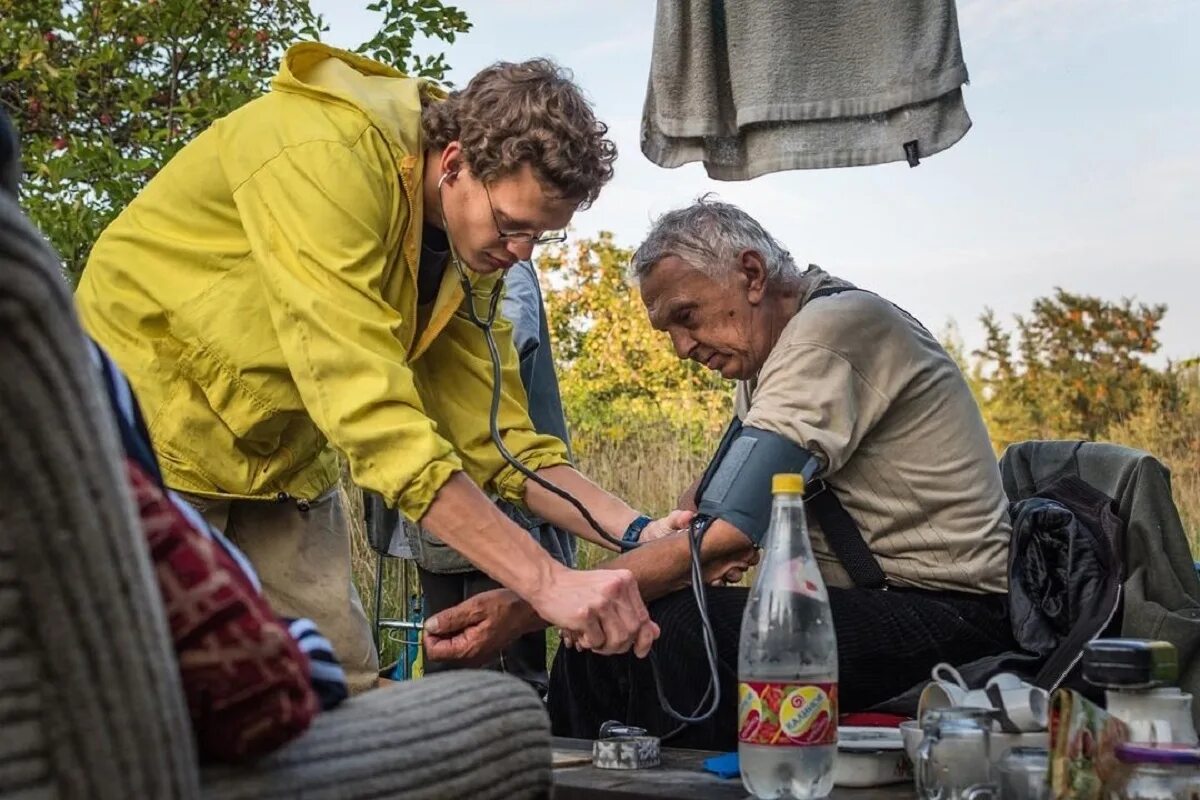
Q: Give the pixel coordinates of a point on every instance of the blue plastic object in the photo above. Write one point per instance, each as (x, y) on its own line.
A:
(723, 766)
(406, 659)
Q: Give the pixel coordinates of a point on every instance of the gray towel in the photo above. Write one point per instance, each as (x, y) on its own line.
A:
(758, 86)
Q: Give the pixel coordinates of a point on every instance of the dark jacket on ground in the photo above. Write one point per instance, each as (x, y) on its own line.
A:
(1160, 591)
(1098, 549)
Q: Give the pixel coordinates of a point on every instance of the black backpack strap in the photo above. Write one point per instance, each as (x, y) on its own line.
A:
(829, 291)
(844, 537)
(841, 532)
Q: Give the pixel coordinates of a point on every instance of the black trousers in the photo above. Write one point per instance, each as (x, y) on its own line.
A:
(887, 643)
(524, 658)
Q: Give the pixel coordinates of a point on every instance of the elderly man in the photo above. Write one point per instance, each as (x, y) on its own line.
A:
(911, 530)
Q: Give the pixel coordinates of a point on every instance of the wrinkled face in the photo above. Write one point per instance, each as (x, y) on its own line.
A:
(494, 225)
(715, 322)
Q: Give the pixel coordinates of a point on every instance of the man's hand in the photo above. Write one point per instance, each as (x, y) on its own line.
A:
(671, 523)
(730, 568)
(601, 609)
(474, 631)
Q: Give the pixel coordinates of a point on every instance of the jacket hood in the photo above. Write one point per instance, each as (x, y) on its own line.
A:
(391, 99)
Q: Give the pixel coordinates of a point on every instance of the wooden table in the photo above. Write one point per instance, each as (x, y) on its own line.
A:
(681, 776)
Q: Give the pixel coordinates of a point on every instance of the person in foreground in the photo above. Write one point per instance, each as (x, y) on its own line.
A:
(287, 294)
(838, 384)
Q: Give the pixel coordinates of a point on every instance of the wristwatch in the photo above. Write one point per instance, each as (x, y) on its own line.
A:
(634, 531)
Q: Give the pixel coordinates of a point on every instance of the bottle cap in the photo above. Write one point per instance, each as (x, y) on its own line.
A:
(787, 483)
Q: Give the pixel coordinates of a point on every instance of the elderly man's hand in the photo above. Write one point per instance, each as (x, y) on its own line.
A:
(731, 568)
(672, 523)
(473, 632)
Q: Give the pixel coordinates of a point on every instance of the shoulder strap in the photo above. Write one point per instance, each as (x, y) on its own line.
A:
(844, 537)
(829, 291)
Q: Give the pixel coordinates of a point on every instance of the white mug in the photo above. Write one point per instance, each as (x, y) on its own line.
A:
(1157, 715)
(947, 689)
(1022, 709)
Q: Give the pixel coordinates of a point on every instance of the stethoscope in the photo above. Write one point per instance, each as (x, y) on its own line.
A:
(493, 298)
(712, 695)
(485, 323)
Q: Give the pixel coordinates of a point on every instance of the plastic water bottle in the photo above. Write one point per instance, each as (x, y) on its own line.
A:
(787, 663)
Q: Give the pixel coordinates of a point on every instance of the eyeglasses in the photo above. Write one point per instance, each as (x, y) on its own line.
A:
(521, 237)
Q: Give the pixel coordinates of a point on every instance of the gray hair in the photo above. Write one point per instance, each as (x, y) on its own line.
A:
(709, 235)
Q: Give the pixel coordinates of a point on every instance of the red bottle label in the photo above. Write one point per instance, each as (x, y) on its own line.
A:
(787, 714)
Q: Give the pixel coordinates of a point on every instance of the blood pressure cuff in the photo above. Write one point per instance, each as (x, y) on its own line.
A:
(736, 486)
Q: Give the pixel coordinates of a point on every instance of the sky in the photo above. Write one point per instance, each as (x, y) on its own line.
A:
(1082, 170)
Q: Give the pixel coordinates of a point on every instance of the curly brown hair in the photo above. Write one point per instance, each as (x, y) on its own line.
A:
(527, 113)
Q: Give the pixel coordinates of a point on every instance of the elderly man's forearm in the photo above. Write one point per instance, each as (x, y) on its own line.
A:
(664, 565)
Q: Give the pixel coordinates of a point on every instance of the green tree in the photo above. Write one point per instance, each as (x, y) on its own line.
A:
(1076, 368)
(104, 92)
(951, 339)
(618, 373)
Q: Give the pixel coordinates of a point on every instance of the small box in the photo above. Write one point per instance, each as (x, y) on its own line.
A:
(1130, 663)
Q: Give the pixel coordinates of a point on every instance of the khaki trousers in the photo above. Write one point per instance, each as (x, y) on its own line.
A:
(303, 561)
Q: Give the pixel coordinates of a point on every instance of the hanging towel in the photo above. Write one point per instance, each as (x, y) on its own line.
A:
(760, 86)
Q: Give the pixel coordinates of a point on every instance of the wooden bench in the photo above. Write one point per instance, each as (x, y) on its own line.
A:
(681, 776)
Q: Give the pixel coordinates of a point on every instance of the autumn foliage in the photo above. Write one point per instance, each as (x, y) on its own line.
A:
(104, 92)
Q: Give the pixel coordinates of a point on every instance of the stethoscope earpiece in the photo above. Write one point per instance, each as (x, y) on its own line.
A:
(483, 323)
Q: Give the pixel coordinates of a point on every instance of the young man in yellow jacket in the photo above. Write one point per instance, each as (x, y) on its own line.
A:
(288, 288)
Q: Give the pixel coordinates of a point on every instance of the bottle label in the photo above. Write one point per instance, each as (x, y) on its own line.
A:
(787, 714)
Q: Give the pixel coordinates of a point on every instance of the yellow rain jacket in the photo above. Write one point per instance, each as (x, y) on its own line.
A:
(261, 295)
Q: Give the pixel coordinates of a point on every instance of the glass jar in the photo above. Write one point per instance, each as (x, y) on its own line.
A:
(952, 759)
(1023, 774)
(1160, 772)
